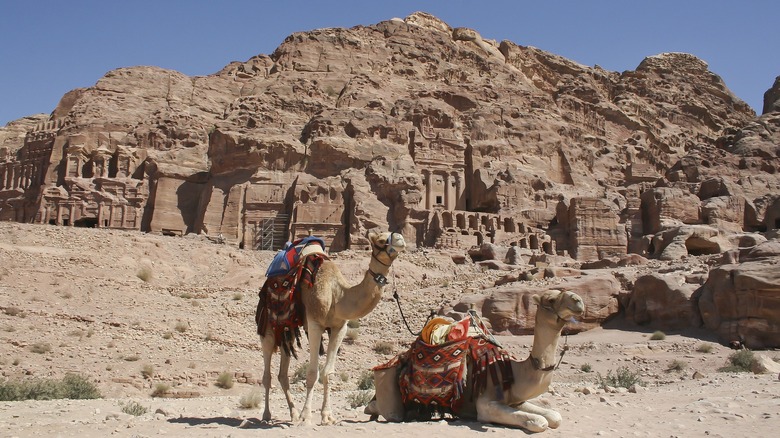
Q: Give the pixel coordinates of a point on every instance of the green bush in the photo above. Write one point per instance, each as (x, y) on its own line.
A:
(384, 347)
(134, 408)
(658, 336)
(586, 367)
(622, 378)
(676, 365)
(225, 380)
(160, 389)
(704, 348)
(72, 386)
(360, 398)
(147, 371)
(741, 362)
(366, 380)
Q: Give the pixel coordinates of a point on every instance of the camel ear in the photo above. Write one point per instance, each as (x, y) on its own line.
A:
(536, 299)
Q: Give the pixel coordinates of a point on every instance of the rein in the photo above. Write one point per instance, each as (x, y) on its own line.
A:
(403, 318)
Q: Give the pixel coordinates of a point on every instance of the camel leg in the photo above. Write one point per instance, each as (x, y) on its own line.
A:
(284, 382)
(268, 352)
(553, 418)
(334, 342)
(312, 372)
(491, 411)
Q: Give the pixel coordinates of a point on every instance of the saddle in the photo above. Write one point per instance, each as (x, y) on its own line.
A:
(280, 302)
(432, 378)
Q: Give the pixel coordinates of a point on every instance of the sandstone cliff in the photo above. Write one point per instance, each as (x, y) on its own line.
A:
(410, 125)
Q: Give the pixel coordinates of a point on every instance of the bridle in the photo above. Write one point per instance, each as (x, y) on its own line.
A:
(534, 361)
(390, 250)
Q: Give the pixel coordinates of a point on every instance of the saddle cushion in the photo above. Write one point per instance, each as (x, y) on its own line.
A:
(432, 378)
(435, 375)
(280, 303)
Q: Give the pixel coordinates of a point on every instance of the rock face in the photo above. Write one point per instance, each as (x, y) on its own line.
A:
(663, 301)
(741, 302)
(410, 125)
(510, 309)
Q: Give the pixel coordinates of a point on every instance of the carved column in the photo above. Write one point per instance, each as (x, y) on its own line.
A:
(2, 176)
(26, 175)
(427, 178)
(72, 214)
(17, 175)
(447, 195)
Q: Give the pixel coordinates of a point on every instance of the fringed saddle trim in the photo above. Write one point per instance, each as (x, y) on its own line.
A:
(432, 377)
(280, 303)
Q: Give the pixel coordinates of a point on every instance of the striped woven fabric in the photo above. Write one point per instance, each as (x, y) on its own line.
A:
(433, 377)
(280, 303)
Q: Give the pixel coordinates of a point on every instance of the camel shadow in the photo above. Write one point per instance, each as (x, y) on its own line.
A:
(474, 425)
(242, 423)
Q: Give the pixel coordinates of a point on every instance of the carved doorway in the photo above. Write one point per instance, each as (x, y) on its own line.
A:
(270, 234)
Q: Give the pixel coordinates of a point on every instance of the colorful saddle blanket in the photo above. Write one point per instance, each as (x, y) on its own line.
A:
(287, 259)
(280, 303)
(433, 377)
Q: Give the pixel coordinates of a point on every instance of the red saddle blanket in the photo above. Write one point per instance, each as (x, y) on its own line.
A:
(280, 303)
(434, 376)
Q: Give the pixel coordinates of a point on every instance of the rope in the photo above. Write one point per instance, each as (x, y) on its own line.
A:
(403, 318)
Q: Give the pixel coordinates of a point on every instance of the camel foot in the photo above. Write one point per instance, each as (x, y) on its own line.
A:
(295, 415)
(267, 415)
(303, 420)
(328, 418)
(536, 424)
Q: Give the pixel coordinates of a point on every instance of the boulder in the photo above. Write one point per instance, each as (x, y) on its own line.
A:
(741, 302)
(677, 242)
(663, 301)
(488, 251)
(509, 309)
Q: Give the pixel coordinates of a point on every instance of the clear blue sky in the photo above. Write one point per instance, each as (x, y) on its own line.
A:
(48, 47)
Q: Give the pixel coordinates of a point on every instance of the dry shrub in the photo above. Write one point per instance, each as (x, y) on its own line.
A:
(225, 380)
(384, 347)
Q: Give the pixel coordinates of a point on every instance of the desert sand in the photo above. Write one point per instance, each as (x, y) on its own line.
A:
(131, 311)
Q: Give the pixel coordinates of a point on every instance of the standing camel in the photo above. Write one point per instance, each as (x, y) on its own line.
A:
(329, 303)
(531, 377)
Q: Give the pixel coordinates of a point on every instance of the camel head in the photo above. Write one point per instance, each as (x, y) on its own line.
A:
(386, 246)
(562, 305)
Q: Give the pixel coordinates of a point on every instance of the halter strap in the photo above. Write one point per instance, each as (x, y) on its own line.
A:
(386, 249)
(538, 366)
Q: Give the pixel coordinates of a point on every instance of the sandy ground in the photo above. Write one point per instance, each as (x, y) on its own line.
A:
(115, 305)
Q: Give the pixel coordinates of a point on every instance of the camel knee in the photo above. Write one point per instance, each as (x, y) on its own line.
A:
(311, 378)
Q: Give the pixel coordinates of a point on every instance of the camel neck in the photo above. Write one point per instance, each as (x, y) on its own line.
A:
(546, 336)
(364, 296)
(377, 267)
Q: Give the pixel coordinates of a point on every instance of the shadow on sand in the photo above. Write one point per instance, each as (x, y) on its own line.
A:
(243, 423)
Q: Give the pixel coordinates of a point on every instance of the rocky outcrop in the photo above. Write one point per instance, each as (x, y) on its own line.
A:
(741, 302)
(663, 301)
(510, 309)
(411, 125)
